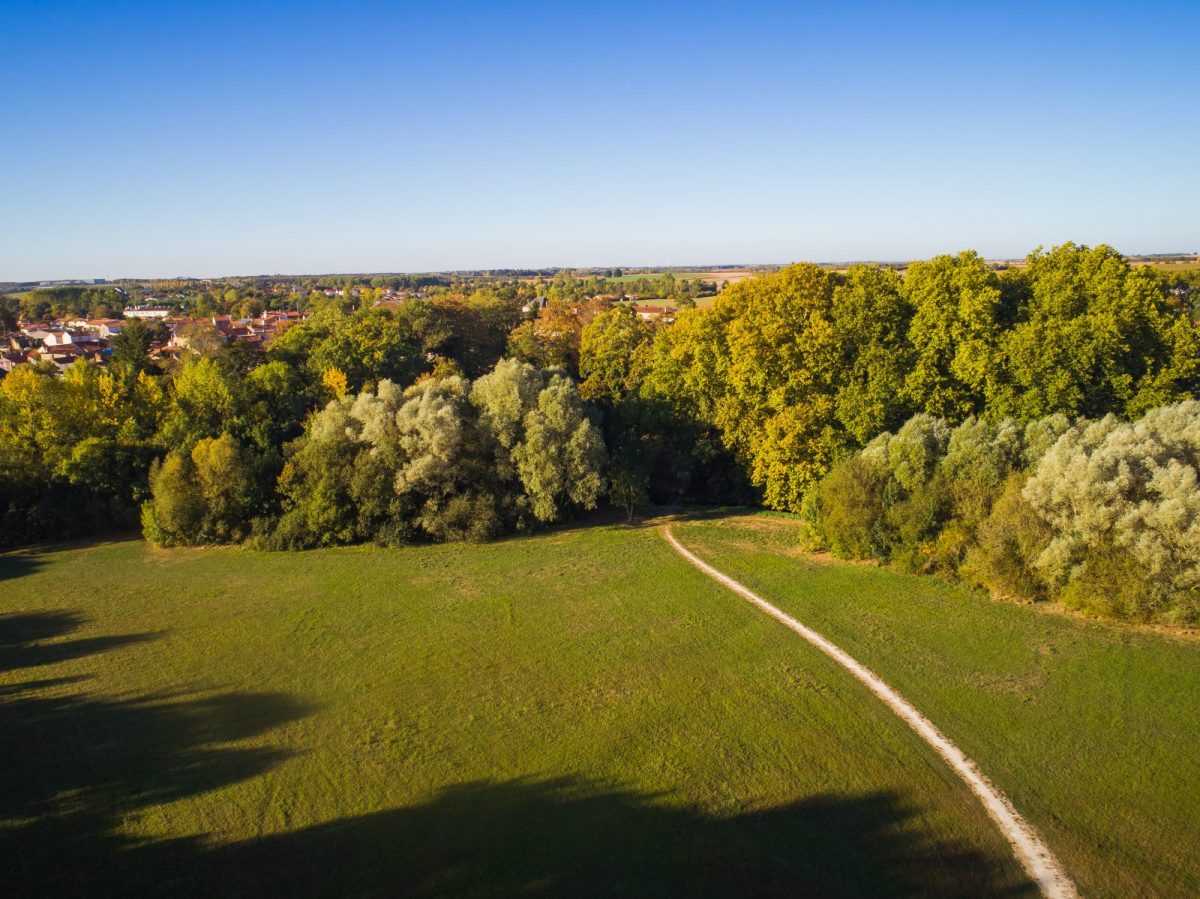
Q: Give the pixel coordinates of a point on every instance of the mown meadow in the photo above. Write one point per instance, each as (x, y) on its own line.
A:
(575, 713)
(578, 712)
(1089, 727)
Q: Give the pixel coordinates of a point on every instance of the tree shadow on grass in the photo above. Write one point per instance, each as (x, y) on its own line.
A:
(571, 838)
(669, 514)
(645, 517)
(17, 565)
(17, 561)
(23, 637)
(74, 766)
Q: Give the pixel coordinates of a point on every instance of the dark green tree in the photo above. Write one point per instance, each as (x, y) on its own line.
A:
(132, 345)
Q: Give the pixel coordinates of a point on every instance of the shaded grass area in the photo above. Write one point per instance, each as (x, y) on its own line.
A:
(1090, 728)
(577, 713)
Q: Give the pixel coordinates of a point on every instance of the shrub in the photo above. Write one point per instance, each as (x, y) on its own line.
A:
(1121, 497)
(1111, 583)
(1040, 435)
(205, 496)
(849, 507)
(467, 516)
(913, 522)
(980, 455)
(912, 453)
(1006, 544)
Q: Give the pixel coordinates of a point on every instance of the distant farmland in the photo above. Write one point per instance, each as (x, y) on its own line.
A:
(730, 275)
(1181, 265)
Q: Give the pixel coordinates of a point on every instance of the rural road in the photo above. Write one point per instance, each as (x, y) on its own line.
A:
(1034, 855)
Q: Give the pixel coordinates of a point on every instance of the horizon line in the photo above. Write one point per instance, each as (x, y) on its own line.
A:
(650, 269)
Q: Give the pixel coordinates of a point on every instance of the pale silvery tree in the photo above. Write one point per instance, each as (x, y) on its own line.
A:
(982, 451)
(1131, 485)
(373, 416)
(433, 434)
(561, 457)
(503, 398)
(912, 453)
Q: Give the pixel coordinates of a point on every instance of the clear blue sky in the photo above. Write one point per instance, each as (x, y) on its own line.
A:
(237, 138)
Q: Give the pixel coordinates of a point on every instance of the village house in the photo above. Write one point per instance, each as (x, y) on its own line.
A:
(65, 355)
(147, 311)
(60, 339)
(106, 327)
(655, 313)
(10, 359)
(36, 333)
(61, 344)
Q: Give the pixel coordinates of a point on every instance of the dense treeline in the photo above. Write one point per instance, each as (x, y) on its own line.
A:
(796, 369)
(62, 302)
(1103, 514)
(74, 451)
(223, 447)
(443, 459)
(685, 291)
(1002, 377)
(459, 416)
(249, 297)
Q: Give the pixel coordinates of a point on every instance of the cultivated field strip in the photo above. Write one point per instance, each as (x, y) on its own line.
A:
(1034, 855)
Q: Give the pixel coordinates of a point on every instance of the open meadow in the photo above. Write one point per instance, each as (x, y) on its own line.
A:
(575, 713)
(1089, 727)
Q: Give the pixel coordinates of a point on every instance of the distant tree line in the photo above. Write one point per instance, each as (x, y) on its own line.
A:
(791, 371)
(663, 286)
(463, 416)
(48, 303)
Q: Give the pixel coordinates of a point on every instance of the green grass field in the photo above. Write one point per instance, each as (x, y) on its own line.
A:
(1090, 728)
(576, 713)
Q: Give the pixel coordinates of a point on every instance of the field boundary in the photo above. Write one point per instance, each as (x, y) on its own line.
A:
(1033, 854)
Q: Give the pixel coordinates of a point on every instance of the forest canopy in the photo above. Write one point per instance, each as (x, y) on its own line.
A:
(472, 412)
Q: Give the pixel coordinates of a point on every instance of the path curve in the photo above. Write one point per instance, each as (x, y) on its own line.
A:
(1034, 855)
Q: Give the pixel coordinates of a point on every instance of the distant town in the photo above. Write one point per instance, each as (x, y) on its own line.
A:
(55, 323)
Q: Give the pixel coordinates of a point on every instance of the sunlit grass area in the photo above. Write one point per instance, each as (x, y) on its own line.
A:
(1090, 728)
(573, 713)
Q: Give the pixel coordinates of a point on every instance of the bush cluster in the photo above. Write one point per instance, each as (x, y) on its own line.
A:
(1102, 514)
(444, 459)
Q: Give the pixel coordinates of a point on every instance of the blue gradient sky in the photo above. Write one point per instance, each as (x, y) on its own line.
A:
(236, 138)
